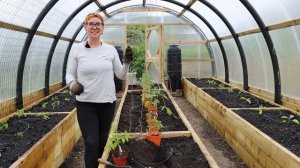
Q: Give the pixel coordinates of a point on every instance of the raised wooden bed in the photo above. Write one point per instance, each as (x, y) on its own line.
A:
(189, 133)
(253, 146)
(52, 148)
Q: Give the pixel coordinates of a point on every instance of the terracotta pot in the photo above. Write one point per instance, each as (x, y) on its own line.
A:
(152, 108)
(120, 160)
(155, 137)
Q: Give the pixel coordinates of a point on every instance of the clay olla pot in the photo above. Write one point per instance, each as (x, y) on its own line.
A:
(120, 159)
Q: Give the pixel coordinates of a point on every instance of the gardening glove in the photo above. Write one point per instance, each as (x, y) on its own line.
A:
(128, 55)
(76, 88)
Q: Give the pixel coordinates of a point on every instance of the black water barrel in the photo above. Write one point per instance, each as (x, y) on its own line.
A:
(118, 82)
(174, 67)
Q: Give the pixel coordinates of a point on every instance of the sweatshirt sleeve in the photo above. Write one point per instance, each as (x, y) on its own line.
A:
(71, 73)
(119, 69)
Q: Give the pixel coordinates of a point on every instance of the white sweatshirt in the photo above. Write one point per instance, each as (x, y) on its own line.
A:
(94, 68)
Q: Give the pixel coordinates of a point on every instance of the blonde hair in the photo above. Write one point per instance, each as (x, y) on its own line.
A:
(92, 15)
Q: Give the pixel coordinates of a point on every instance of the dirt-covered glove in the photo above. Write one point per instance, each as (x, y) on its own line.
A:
(76, 88)
(128, 55)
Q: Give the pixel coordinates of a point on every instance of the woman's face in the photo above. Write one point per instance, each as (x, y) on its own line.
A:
(94, 28)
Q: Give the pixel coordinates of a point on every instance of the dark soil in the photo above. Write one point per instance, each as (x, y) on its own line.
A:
(59, 102)
(173, 153)
(34, 128)
(235, 99)
(133, 115)
(270, 122)
(203, 83)
(134, 87)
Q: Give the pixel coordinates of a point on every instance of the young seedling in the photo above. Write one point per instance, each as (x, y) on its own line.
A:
(230, 90)
(155, 124)
(20, 113)
(221, 85)
(261, 109)
(20, 134)
(3, 126)
(117, 139)
(212, 83)
(291, 118)
(43, 116)
(247, 100)
(44, 105)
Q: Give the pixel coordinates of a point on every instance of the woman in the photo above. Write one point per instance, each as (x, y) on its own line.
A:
(90, 75)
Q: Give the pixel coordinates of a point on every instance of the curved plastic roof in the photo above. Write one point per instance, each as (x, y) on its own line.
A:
(251, 42)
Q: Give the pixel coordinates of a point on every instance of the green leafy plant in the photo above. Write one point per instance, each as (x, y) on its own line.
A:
(3, 126)
(20, 113)
(155, 124)
(247, 100)
(117, 139)
(261, 109)
(221, 85)
(212, 83)
(20, 134)
(230, 90)
(167, 110)
(55, 102)
(289, 119)
(44, 105)
(43, 116)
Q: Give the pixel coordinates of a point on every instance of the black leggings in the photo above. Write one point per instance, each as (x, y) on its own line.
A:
(94, 121)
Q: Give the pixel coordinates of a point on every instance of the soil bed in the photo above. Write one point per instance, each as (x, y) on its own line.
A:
(14, 143)
(203, 82)
(270, 122)
(235, 99)
(181, 151)
(133, 115)
(59, 102)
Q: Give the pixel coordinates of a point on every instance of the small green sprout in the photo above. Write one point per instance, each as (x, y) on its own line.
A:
(212, 83)
(3, 126)
(20, 113)
(44, 105)
(167, 110)
(289, 119)
(230, 90)
(20, 134)
(261, 109)
(221, 85)
(43, 116)
(67, 99)
(247, 100)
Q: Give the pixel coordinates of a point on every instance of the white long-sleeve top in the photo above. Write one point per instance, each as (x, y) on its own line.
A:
(94, 68)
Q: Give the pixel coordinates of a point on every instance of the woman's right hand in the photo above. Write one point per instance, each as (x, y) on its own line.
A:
(76, 88)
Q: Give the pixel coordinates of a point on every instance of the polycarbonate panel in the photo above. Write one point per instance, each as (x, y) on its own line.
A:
(277, 11)
(22, 13)
(200, 24)
(213, 19)
(196, 69)
(78, 20)
(194, 51)
(180, 32)
(81, 35)
(167, 5)
(153, 71)
(153, 42)
(234, 61)
(57, 62)
(287, 46)
(237, 15)
(114, 33)
(58, 14)
(35, 65)
(260, 69)
(218, 60)
(11, 45)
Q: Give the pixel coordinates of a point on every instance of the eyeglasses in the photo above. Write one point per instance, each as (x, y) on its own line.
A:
(97, 24)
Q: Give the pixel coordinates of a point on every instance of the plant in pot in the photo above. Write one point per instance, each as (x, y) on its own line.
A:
(115, 141)
(154, 134)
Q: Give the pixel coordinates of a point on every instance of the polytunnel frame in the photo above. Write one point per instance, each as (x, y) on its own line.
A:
(249, 7)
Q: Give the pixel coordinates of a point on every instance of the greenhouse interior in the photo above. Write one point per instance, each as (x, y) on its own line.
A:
(150, 83)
